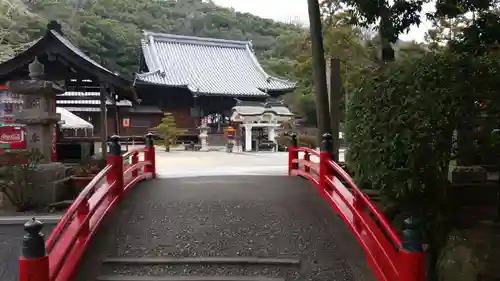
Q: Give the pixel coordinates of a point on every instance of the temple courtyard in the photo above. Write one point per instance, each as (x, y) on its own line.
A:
(179, 163)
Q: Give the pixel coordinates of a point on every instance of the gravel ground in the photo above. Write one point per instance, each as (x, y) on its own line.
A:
(10, 245)
(264, 216)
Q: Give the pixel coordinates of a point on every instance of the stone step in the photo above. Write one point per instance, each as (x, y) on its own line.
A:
(185, 278)
(199, 268)
(201, 260)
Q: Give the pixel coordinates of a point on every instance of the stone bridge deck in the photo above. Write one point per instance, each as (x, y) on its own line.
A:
(221, 228)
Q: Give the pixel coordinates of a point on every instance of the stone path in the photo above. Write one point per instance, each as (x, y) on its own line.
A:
(172, 165)
(275, 217)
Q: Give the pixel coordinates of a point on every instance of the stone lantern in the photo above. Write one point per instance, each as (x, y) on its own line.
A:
(203, 135)
(40, 118)
(39, 110)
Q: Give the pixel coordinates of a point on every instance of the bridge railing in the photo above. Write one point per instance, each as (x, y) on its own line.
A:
(58, 257)
(390, 257)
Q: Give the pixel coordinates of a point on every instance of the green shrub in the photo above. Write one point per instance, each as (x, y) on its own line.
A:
(16, 177)
(303, 141)
(399, 130)
(308, 141)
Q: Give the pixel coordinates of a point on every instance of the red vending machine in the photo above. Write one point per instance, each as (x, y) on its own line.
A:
(12, 136)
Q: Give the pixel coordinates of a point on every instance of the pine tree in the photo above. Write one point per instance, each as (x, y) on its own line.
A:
(168, 130)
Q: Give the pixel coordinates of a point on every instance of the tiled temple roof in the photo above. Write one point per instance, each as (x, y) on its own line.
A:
(246, 108)
(207, 66)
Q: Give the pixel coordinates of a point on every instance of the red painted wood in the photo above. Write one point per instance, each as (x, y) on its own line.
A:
(384, 252)
(71, 236)
(34, 269)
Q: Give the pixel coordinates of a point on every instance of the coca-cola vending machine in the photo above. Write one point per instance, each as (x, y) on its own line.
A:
(11, 134)
(11, 137)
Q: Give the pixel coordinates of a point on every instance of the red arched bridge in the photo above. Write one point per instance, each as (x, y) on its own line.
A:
(127, 225)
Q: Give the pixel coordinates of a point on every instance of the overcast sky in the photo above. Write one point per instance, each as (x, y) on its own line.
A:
(293, 10)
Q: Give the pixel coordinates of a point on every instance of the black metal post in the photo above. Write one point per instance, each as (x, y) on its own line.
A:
(33, 245)
(149, 139)
(326, 143)
(115, 146)
(412, 237)
(295, 143)
(335, 97)
(319, 67)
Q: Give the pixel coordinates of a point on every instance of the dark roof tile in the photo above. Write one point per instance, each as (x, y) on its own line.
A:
(207, 66)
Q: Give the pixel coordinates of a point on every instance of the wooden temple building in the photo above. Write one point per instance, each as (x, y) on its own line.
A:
(193, 78)
(196, 78)
(74, 71)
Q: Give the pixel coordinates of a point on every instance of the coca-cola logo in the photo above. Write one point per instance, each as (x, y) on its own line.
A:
(11, 137)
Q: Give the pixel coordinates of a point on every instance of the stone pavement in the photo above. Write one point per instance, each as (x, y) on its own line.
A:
(186, 164)
(217, 163)
(189, 163)
(233, 217)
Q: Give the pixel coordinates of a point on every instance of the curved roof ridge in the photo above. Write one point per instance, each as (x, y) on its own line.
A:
(195, 39)
(259, 67)
(146, 74)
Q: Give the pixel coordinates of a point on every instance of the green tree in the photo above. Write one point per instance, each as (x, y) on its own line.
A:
(168, 130)
(391, 18)
(400, 129)
(110, 30)
(15, 18)
(445, 30)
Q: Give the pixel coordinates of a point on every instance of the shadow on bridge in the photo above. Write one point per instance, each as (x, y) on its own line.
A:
(227, 228)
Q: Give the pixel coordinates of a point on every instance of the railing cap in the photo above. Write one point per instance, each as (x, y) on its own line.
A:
(412, 237)
(115, 138)
(326, 143)
(33, 226)
(115, 147)
(33, 244)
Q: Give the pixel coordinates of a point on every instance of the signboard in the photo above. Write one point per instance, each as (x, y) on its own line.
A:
(230, 133)
(8, 105)
(126, 122)
(12, 137)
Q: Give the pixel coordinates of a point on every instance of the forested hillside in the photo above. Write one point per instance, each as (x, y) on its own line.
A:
(110, 30)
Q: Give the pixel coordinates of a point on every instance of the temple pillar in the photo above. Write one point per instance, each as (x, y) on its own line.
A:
(271, 134)
(203, 136)
(104, 121)
(248, 137)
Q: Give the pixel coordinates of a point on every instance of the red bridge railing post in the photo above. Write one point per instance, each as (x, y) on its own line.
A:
(324, 157)
(307, 157)
(150, 155)
(411, 256)
(293, 154)
(33, 262)
(115, 159)
(135, 160)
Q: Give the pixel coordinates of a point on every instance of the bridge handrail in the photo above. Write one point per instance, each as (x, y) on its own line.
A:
(81, 199)
(388, 256)
(57, 259)
(307, 150)
(132, 152)
(389, 230)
